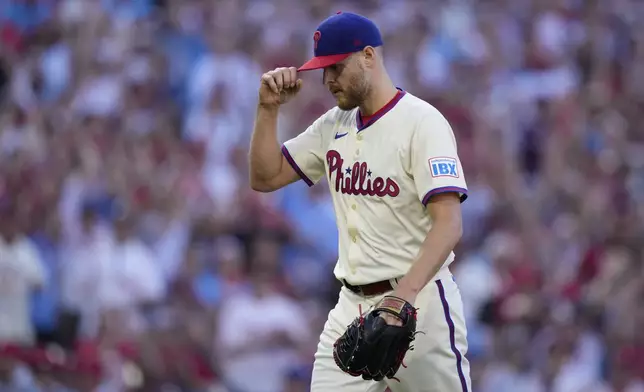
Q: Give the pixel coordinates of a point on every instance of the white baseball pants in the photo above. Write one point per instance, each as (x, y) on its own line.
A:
(437, 363)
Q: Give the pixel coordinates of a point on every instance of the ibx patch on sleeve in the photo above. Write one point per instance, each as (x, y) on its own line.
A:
(444, 167)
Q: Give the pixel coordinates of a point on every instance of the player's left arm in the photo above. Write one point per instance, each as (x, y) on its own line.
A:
(445, 211)
(441, 187)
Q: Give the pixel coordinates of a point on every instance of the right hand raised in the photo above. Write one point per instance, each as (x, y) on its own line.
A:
(279, 86)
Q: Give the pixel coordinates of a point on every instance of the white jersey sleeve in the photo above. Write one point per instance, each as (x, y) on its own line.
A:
(306, 152)
(436, 167)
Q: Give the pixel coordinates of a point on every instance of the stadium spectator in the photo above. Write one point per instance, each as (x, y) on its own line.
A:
(133, 255)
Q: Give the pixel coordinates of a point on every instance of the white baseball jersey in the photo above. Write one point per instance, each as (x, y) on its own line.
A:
(381, 174)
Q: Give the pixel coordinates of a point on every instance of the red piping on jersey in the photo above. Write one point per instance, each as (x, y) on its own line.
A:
(366, 121)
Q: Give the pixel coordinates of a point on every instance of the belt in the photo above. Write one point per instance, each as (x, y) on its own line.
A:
(370, 289)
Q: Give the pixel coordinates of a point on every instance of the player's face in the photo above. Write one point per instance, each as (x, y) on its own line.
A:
(348, 82)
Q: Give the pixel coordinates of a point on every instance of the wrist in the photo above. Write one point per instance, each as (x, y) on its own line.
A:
(272, 108)
(407, 286)
(405, 292)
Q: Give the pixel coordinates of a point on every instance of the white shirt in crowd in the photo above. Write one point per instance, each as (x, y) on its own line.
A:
(249, 321)
(21, 271)
(102, 274)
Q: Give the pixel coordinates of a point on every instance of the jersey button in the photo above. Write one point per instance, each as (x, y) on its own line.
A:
(354, 239)
(354, 207)
(360, 137)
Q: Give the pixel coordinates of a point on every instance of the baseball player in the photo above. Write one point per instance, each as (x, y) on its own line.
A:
(396, 181)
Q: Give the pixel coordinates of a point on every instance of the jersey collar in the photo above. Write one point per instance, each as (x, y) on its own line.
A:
(368, 121)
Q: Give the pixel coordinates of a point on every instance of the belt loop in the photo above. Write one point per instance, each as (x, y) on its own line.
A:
(393, 282)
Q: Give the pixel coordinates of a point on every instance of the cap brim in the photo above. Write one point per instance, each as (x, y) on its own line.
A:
(323, 61)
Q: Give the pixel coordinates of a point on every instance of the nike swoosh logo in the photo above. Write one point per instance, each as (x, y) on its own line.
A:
(338, 136)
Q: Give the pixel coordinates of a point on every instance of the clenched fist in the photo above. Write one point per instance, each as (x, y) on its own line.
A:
(279, 86)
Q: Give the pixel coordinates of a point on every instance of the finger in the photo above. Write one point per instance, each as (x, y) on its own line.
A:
(298, 85)
(288, 82)
(270, 82)
(279, 80)
(293, 75)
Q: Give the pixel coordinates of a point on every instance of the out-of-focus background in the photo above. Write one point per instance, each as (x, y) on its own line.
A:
(134, 257)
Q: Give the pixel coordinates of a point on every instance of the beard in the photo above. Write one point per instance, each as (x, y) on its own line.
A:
(347, 103)
(355, 95)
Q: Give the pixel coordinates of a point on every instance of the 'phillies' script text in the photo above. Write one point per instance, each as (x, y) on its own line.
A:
(357, 180)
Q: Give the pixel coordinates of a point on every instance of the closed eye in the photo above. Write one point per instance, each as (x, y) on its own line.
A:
(333, 72)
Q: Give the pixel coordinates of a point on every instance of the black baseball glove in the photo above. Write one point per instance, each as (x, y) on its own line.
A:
(373, 349)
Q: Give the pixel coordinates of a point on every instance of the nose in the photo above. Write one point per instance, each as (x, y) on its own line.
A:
(326, 77)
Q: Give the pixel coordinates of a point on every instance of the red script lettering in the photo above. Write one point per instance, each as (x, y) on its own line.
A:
(356, 180)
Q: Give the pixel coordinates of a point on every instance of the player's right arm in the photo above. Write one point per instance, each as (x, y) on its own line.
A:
(269, 170)
(272, 167)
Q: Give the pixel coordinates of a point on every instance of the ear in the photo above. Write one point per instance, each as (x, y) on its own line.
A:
(370, 55)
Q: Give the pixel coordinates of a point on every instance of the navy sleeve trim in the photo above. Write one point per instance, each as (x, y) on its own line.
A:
(445, 189)
(295, 167)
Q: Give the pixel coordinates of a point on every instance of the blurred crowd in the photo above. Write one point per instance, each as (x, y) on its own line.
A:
(134, 256)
